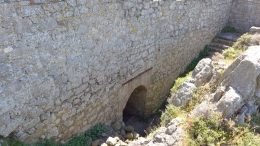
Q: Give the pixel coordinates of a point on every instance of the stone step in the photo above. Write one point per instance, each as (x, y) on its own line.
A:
(229, 36)
(218, 45)
(215, 49)
(222, 41)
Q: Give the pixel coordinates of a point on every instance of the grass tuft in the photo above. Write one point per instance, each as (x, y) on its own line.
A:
(170, 113)
(231, 53)
(243, 42)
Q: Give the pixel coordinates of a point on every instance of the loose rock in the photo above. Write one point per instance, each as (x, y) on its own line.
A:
(116, 126)
(129, 128)
(111, 141)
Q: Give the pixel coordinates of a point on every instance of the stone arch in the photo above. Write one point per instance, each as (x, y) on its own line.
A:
(136, 102)
(140, 82)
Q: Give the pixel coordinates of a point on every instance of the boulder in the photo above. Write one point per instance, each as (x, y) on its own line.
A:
(104, 144)
(111, 141)
(122, 132)
(239, 88)
(129, 128)
(243, 72)
(254, 30)
(230, 102)
(135, 135)
(201, 75)
(129, 136)
(184, 94)
(116, 126)
(203, 72)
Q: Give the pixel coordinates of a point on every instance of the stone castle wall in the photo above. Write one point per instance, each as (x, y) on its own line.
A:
(245, 14)
(68, 65)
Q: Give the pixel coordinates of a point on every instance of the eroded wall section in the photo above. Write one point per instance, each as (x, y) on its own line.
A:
(63, 63)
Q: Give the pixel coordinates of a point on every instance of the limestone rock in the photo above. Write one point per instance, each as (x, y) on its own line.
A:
(121, 143)
(230, 102)
(135, 135)
(184, 94)
(111, 141)
(122, 132)
(203, 72)
(129, 136)
(104, 144)
(203, 109)
(116, 126)
(129, 128)
(128, 141)
(254, 29)
(239, 85)
(242, 74)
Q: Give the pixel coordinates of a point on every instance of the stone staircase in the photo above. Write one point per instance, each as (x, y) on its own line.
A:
(223, 41)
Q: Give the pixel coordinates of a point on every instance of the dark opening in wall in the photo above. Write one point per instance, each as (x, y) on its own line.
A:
(136, 104)
(133, 113)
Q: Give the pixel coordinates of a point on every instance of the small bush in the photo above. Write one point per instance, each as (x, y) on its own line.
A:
(170, 113)
(238, 47)
(230, 53)
(243, 42)
(229, 29)
(206, 131)
(213, 130)
(81, 140)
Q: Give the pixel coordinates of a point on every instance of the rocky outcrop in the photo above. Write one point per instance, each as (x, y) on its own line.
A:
(201, 75)
(241, 84)
(238, 91)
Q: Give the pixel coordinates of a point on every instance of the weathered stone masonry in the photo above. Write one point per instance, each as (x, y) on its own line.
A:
(244, 14)
(63, 63)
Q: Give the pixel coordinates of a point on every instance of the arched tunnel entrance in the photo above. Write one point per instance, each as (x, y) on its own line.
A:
(135, 105)
(133, 113)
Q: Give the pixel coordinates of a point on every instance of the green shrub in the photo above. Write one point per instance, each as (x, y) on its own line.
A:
(213, 130)
(96, 131)
(243, 42)
(170, 113)
(81, 140)
(229, 29)
(206, 131)
(78, 141)
(230, 53)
